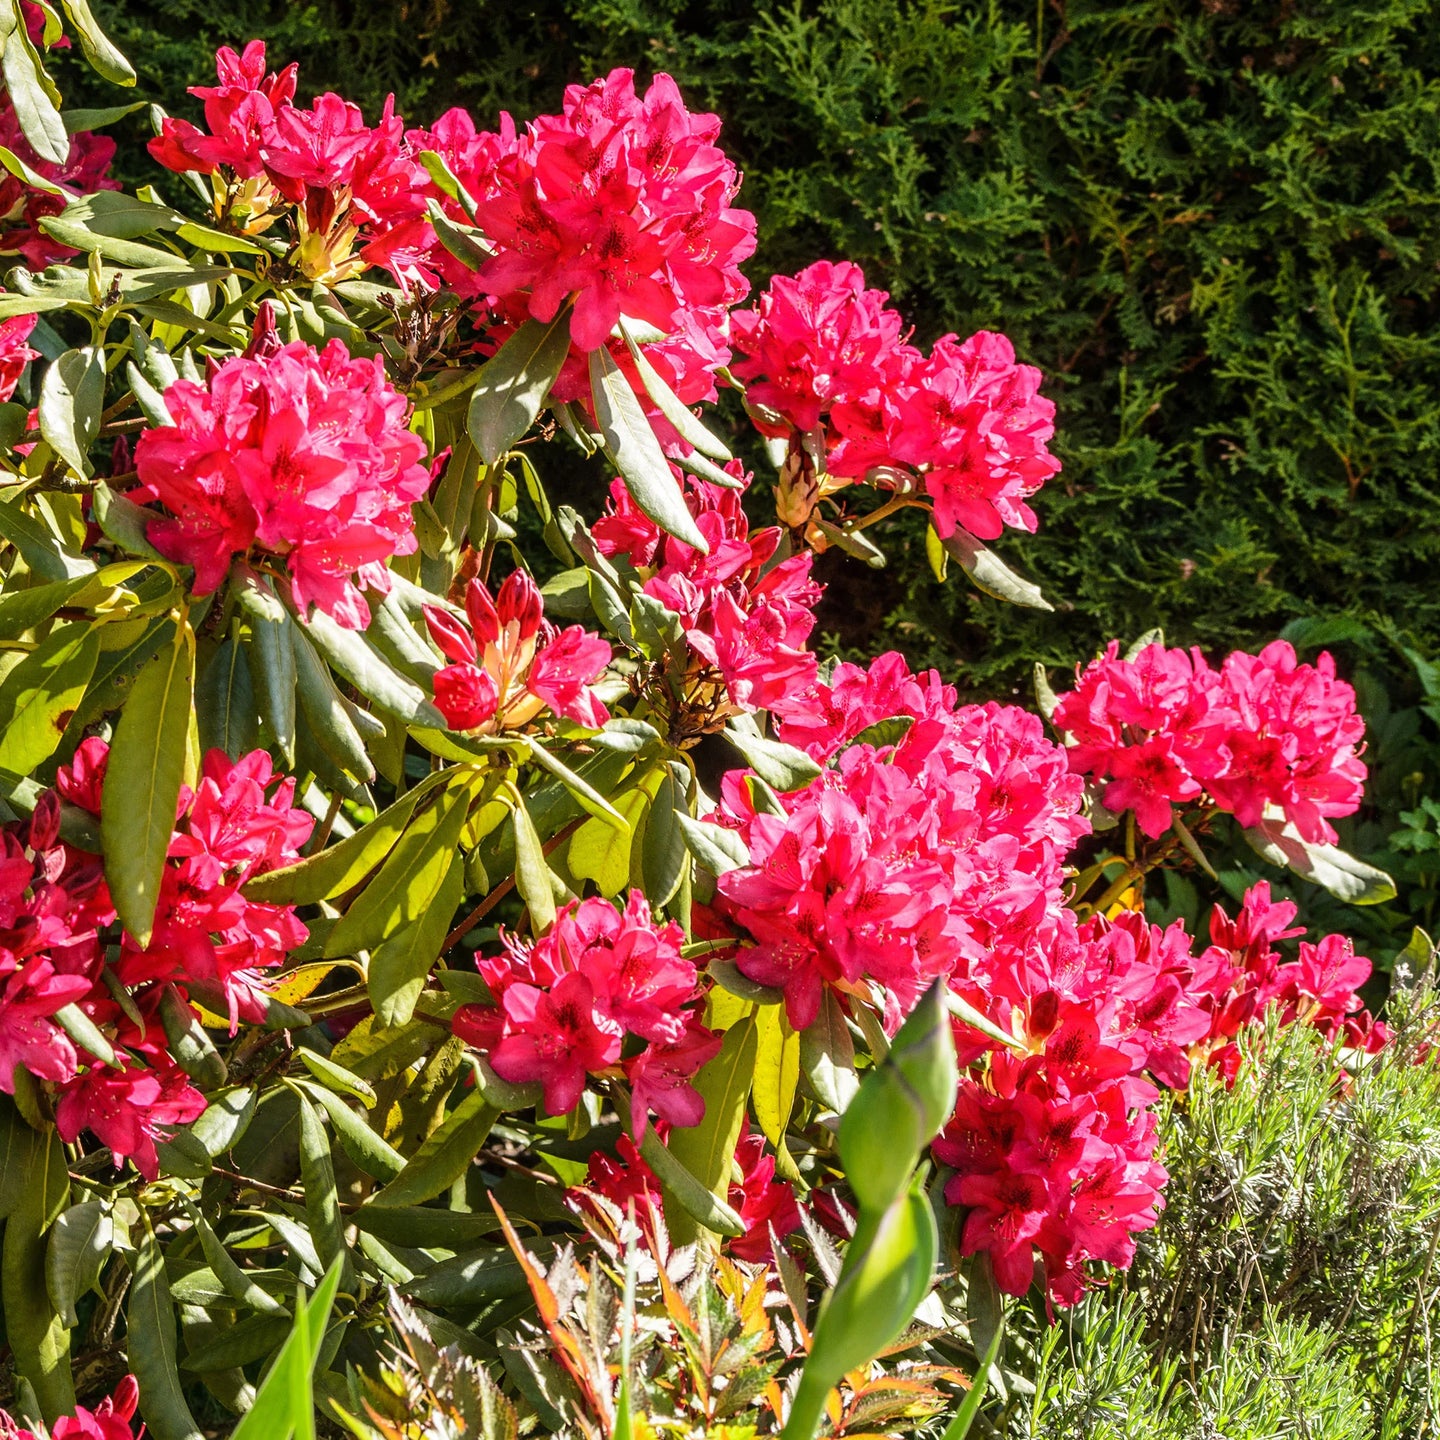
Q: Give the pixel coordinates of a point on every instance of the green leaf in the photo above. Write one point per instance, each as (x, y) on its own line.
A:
(424, 1226)
(1331, 868)
(142, 783)
(401, 964)
(40, 548)
(85, 1033)
(337, 1077)
(409, 881)
(591, 800)
(80, 1243)
(513, 385)
(32, 93)
(237, 1284)
(473, 1278)
(990, 574)
(225, 708)
(377, 1052)
(599, 852)
(327, 712)
(664, 852)
(271, 657)
(150, 1318)
(238, 1343)
(637, 453)
(225, 1119)
(72, 396)
(827, 1056)
(35, 1331)
(38, 697)
(445, 1156)
(366, 1149)
(532, 873)
(671, 406)
(340, 867)
(719, 850)
(777, 1072)
(959, 1427)
(98, 50)
(125, 522)
(317, 1179)
(34, 179)
(777, 764)
(884, 733)
(707, 1149)
(192, 1048)
(351, 655)
(78, 121)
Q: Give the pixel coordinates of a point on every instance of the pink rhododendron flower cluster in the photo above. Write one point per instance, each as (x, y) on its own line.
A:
(1261, 732)
(22, 206)
(15, 354)
(566, 1004)
(903, 861)
(110, 1420)
(297, 454)
(353, 192)
(208, 940)
(512, 663)
(747, 619)
(623, 202)
(819, 349)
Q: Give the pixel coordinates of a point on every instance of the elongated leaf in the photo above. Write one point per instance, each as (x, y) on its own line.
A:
(142, 783)
(827, 1056)
(34, 179)
(601, 853)
(671, 406)
(425, 1226)
(225, 707)
(339, 867)
(350, 655)
(79, 1245)
(97, 47)
(589, 797)
(237, 1284)
(337, 1077)
(241, 1343)
(637, 453)
(707, 1149)
(514, 383)
(664, 850)
(35, 1330)
(317, 1177)
(38, 697)
(445, 1156)
(410, 879)
(271, 657)
(719, 850)
(98, 117)
(474, 1278)
(964, 1418)
(777, 764)
(72, 396)
(366, 1149)
(1344, 876)
(990, 574)
(377, 1052)
(777, 1072)
(150, 1316)
(225, 1119)
(41, 549)
(37, 106)
(189, 1044)
(401, 964)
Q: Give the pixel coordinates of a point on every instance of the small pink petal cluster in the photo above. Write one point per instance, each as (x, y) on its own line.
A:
(1261, 733)
(110, 1420)
(357, 192)
(22, 206)
(927, 856)
(623, 202)
(764, 1203)
(294, 453)
(208, 940)
(512, 663)
(15, 354)
(566, 1004)
(819, 349)
(745, 617)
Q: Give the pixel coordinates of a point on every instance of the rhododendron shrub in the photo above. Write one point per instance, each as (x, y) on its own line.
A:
(439, 927)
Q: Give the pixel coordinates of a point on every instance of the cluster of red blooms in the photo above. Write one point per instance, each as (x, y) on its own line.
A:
(746, 618)
(1260, 735)
(208, 940)
(566, 1004)
(765, 1204)
(357, 192)
(819, 349)
(22, 206)
(902, 861)
(295, 453)
(110, 1420)
(622, 201)
(15, 354)
(1054, 1146)
(512, 663)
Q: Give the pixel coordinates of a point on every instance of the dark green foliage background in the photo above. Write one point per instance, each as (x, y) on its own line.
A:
(1214, 224)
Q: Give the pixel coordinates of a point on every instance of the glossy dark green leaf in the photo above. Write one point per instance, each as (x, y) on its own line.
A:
(351, 655)
(192, 1048)
(514, 383)
(151, 1351)
(472, 1278)
(532, 872)
(271, 658)
(664, 852)
(123, 521)
(777, 764)
(317, 1179)
(225, 705)
(326, 711)
(366, 1149)
(142, 783)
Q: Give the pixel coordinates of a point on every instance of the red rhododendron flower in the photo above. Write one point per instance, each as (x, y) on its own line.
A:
(1263, 736)
(512, 664)
(15, 354)
(747, 619)
(110, 1420)
(565, 1004)
(301, 454)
